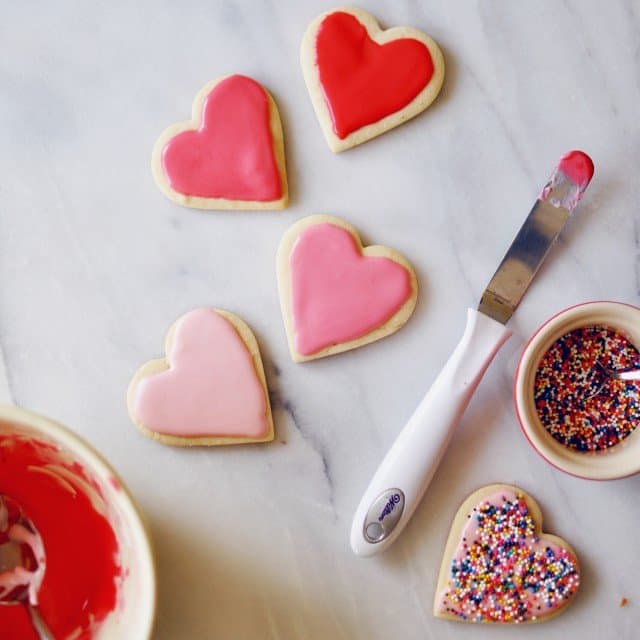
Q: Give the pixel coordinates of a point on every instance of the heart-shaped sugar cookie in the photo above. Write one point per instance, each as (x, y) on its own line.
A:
(230, 155)
(499, 566)
(363, 80)
(209, 390)
(336, 295)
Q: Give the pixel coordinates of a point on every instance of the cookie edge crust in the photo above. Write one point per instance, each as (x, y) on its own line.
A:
(453, 539)
(381, 36)
(221, 204)
(152, 367)
(392, 325)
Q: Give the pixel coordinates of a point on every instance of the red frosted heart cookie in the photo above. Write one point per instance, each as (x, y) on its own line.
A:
(209, 390)
(499, 566)
(230, 155)
(335, 294)
(363, 80)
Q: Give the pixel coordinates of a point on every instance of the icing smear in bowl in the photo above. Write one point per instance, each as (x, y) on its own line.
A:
(87, 564)
(578, 418)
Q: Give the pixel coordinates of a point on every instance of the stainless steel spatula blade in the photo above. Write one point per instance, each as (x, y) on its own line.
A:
(534, 240)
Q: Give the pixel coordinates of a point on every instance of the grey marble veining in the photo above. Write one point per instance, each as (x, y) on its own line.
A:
(252, 542)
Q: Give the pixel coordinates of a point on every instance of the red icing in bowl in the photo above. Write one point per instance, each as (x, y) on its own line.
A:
(80, 583)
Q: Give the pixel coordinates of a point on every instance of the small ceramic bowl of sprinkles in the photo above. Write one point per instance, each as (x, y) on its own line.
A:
(573, 405)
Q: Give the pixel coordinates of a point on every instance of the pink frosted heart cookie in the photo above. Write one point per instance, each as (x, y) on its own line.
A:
(336, 295)
(230, 155)
(210, 389)
(499, 566)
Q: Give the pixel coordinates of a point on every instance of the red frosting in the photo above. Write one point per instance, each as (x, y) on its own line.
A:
(231, 154)
(79, 588)
(577, 166)
(362, 80)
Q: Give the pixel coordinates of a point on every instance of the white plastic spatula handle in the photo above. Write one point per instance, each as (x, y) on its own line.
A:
(406, 471)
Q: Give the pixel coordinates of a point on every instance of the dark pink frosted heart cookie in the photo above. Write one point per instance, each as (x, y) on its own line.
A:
(230, 155)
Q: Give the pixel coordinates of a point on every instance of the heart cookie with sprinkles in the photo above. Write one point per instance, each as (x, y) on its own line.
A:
(499, 566)
(336, 294)
(230, 155)
(210, 389)
(363, 80)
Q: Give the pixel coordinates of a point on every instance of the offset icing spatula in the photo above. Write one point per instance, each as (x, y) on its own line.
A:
(405, 473)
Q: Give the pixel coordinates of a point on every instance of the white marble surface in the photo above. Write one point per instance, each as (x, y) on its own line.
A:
(95, 264)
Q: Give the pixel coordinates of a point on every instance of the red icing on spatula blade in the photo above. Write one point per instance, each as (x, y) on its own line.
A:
(577, 166)
(569, 180)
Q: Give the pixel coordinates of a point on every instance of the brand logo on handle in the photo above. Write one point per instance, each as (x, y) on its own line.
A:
(383, 515)
(390, 506)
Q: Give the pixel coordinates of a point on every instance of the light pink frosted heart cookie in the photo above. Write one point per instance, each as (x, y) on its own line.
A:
(210, 389)
(336, 295)
(230, 155)
(499, 566)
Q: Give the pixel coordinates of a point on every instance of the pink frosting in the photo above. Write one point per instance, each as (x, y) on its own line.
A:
(338, 294)
(530, 576)
(231, 154)
(211, 387)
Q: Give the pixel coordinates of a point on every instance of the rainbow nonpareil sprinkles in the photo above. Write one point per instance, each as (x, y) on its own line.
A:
(575, 403)
(503, 571)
